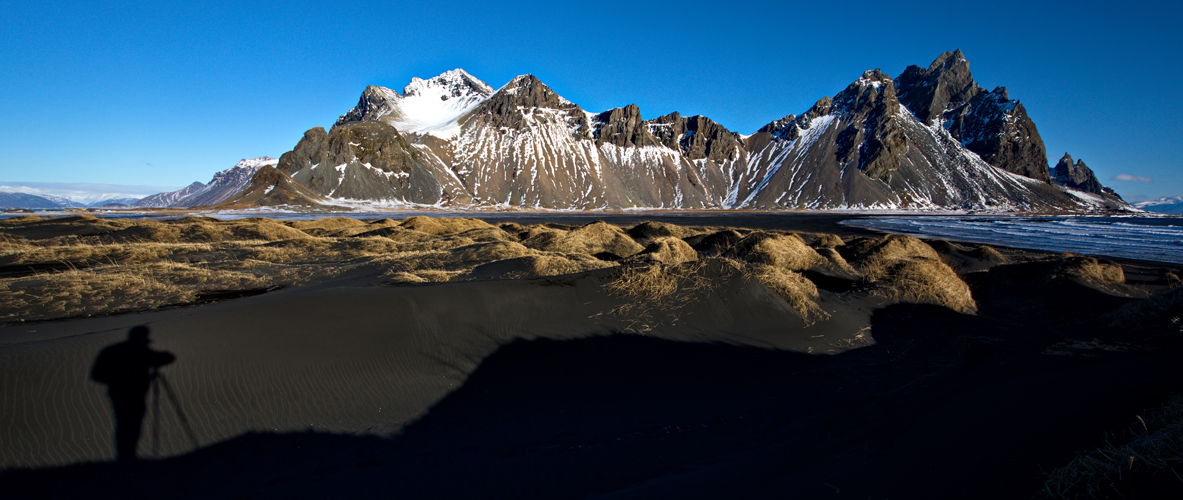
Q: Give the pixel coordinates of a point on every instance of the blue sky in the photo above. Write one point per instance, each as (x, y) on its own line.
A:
(164, 94)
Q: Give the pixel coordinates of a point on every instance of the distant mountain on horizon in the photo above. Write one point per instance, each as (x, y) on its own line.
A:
(224, 185)
(1165, 205)
(27, 200)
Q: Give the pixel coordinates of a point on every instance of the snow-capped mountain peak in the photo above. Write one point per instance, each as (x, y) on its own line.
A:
(432, 106)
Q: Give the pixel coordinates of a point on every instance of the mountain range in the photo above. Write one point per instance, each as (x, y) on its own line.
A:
(931, 138)
(224, 185)
(1165, 205)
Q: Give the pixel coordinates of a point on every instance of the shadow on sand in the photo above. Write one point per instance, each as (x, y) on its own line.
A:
(964, 407)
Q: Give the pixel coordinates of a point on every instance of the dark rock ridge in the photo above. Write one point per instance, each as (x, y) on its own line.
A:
(987, 123)
(933, 139)
(1080, 177)
(1077, 176)
(270, 187)
(361, 160)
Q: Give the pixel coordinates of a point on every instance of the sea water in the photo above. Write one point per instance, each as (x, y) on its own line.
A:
(1146, 238)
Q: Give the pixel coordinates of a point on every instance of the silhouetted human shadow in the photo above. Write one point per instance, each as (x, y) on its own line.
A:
(128, 368)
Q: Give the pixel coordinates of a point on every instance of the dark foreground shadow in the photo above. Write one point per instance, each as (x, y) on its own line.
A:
(962, 408)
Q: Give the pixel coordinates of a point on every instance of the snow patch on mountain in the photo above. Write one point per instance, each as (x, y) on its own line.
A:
(1164, 205)
(225, 184)
(433, 106)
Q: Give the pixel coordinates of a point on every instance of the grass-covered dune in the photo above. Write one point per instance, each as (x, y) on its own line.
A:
(343, 357)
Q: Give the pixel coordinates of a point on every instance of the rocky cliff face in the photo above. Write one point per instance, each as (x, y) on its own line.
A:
(862, 149)
(1077, 176)
(946, 84)
(933, 139)
(269, 187)
(987, 123)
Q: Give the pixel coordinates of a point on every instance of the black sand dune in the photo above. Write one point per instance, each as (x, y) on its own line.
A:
(555, 387)
(355, 360)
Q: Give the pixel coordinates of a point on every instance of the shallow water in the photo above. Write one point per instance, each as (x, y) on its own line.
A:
(1157, 239)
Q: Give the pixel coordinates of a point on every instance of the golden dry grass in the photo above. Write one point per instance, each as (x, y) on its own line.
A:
(1090, 271)
(654, 293)
(905, 269)
(171, 262)
(925, 281)
(828, 241)
(787, 252)
(669, 250)
(794, 288)
(439, 225)
(591, 239)
(539, 264)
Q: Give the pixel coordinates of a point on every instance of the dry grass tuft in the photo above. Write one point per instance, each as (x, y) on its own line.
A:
(876, 256)
(646, 233)
(655, 293)
(1151, 445)
(787, 252)
(925, 281)
(988, 254)
(534, 266)
(794, 288)
(717, 243)
(488, 234)
(653, 282)
(20, 221)
(828, 241)
(115, 289)
(669, 250)
(1091, 271)
(591, 239)
(442, 225)
(329, 226)
(481, 253)
(905, 269)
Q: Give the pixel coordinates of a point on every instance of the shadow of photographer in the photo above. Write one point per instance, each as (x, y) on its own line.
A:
(129, 369)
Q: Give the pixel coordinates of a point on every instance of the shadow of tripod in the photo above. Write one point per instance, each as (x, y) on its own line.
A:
(158, 381)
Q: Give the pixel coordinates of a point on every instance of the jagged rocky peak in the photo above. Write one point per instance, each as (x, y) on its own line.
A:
(525, 100)
(987, 123)
(425, 106)
(999, 130)
(873, 92)
(873, 133)
(790, 127)
(1077, 176)
(622, 127)
(697, 137)
(270, 187)
(449, 85)
(375, 103)
(946, 84)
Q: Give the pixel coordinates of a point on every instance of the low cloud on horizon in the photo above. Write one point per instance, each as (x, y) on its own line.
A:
(1131, 178)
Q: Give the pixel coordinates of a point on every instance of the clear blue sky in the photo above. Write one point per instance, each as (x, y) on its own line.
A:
(164, 93)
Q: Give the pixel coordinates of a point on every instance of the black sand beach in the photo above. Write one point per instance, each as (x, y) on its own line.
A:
(368, 383)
